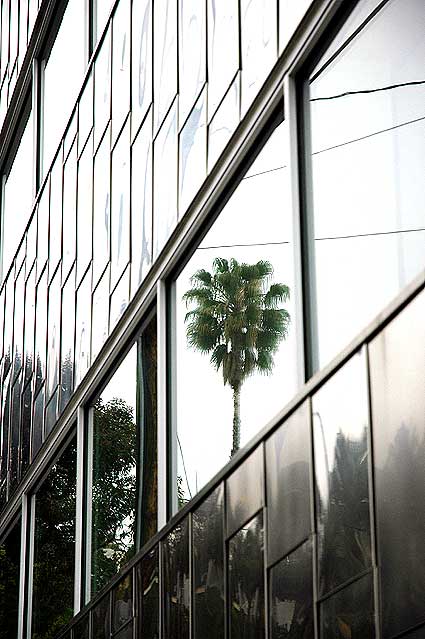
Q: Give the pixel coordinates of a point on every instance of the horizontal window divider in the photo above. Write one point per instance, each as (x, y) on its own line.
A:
(345, 584)
(293, 549)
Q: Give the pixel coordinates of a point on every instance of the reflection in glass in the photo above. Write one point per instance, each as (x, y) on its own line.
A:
(165, 154)
(54, 547)
(192, 53)
(341, 466)
(2, 310)
(15, 432)
(83, 328)
(26, 427)
(288, 484)
(102, 88)
(176, 582)
(246, 582)
(259, 45)
(101, 208)
(113, 494)
(101, 619)
(85, 113)
(51, 413)
(18, 332)
(120, 205)
(250, 246)
(165, 55)
(193, 151)
(224, 122)
(245, 491)
(291, 595)
(53, 334)
(55, 219)
(43, 228)
(32, 242)
(397, 366)
(141, 71)
(367, 159)
(8, 324)
(350, 612)
(147, 572)
(81, 629)
(208, 567)
(290, 15)
(102, 10)
(69, 136)
(119, 298)
(223, 49)
(122, 603)
(100, 310)
(40, 331)
(37, 434)
(67, 340)
(69, 211)
(4, 460)
(84, 210)
(120, 66)
(10, 551)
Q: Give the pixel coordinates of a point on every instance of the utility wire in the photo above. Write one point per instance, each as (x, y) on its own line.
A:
(347, 237)
(365, 91)
(184, 466)
(219, 246)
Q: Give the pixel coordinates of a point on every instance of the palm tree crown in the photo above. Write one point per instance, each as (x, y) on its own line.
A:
(236, 318)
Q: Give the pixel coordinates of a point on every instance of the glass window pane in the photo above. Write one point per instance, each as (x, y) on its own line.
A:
(176, 582)
(224, 122)
(368, 153)
(85, 113)
(141, 72)
(141, 204)
(340, 424)
(100, 309)
(81, 629)
(165, 54)
(37, 435)
(101, 208)
(291, 595)
(6, 396)
(245, 491)
(55, 224)
(100, 619)
(234, 345)
(9, 287)
(62, 77)
(192, 53)
(120, 66)
(120, 205)
(147, 572)
(122, 603)
(54, 547)
(83, 328)
(17, 196)
(102, 10)
(208, 567)
(15, 433)
(102, 88)
(26, 427)
(397, 366)
(10, 552)
(43, 228)
(290, 15)
(84, 210)
(193, 153)
(53, 334)
(18, 331)
(165, 163)
(67, 340)
(246, 582)
(288, 484)
(69, 211)
(349, 612)
(41, 331)
(119, 299)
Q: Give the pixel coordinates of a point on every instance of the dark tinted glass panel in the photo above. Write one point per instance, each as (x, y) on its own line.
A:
(41, 331)
(208, 567)
(291, 595)
(15, 427)
(100, 620)
(37, 434)
(81, 629)
(397, 363)
(114, 473)
(419, 633)
(18, 312)
(26, 427)
(125, 633)
(147, 573)
(6, 394)
(340, 416)
(54, 545)
(53, 335)
(288, 484)
(245, 491)
(10, 550)
(368, 143)
(2, 305)
(122, 603)
(29, 326)
(176, 582)
(51, 413)
(246, 582)
(350, 612)
(67, 340)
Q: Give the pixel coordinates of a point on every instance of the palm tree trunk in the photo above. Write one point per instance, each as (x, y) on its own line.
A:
(236, 419)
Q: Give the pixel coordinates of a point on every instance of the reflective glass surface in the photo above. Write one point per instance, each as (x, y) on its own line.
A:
(147, 572)
(208, 567)
(224, 122)
(192, 53)
(288, 484)
(83, 328)
(10, 550)
(70, 135)
(101, 619)
(120, 66)
(51, 413)
(223, 61)
(40, 330)
(101, 14)
(81, 629)
(290, 15)
(100, 318)
(341, 466)
(193, 152)
(245, 491)
(69, 211)
(397, 366)
(62, 78)
(350, 612)
(18, 317)
(26, 422)
(141, 70)
(368, 151)
(31, 242)
(43, 228)
(165, 163)
(85, 112)
(2, 311)
(101, 208)
(67, 340)
(113, 495)
(291, 595)
(141, 204)
(8, 324)
(246, 582)
(53, 333)
(120, 205)
(165, 55)
(54, 547)
(229, 356)
(122, 603)
(37, 434)
(84, 210)
(14, 445)
(176, 582)
(6, 396)
(55, 219)
(102, 88)
(119, 299)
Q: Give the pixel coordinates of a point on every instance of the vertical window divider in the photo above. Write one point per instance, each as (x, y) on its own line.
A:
(29, 567)
(37, 96)
(79, 515)
(162, 402)
(88, 517)
(25, 512)
(171, 382)
(314, 548)
(267, 629)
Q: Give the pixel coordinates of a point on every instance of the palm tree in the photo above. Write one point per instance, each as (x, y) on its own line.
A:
(236, 318)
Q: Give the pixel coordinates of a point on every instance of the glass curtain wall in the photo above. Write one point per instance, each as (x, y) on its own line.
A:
(10, 553)
(367, 124)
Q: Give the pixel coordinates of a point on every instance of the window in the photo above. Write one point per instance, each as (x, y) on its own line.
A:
(10, 552)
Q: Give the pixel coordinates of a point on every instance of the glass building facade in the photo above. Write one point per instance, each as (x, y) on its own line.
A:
(212, 304)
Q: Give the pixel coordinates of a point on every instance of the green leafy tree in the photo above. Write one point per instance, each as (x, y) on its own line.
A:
(236, 318)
